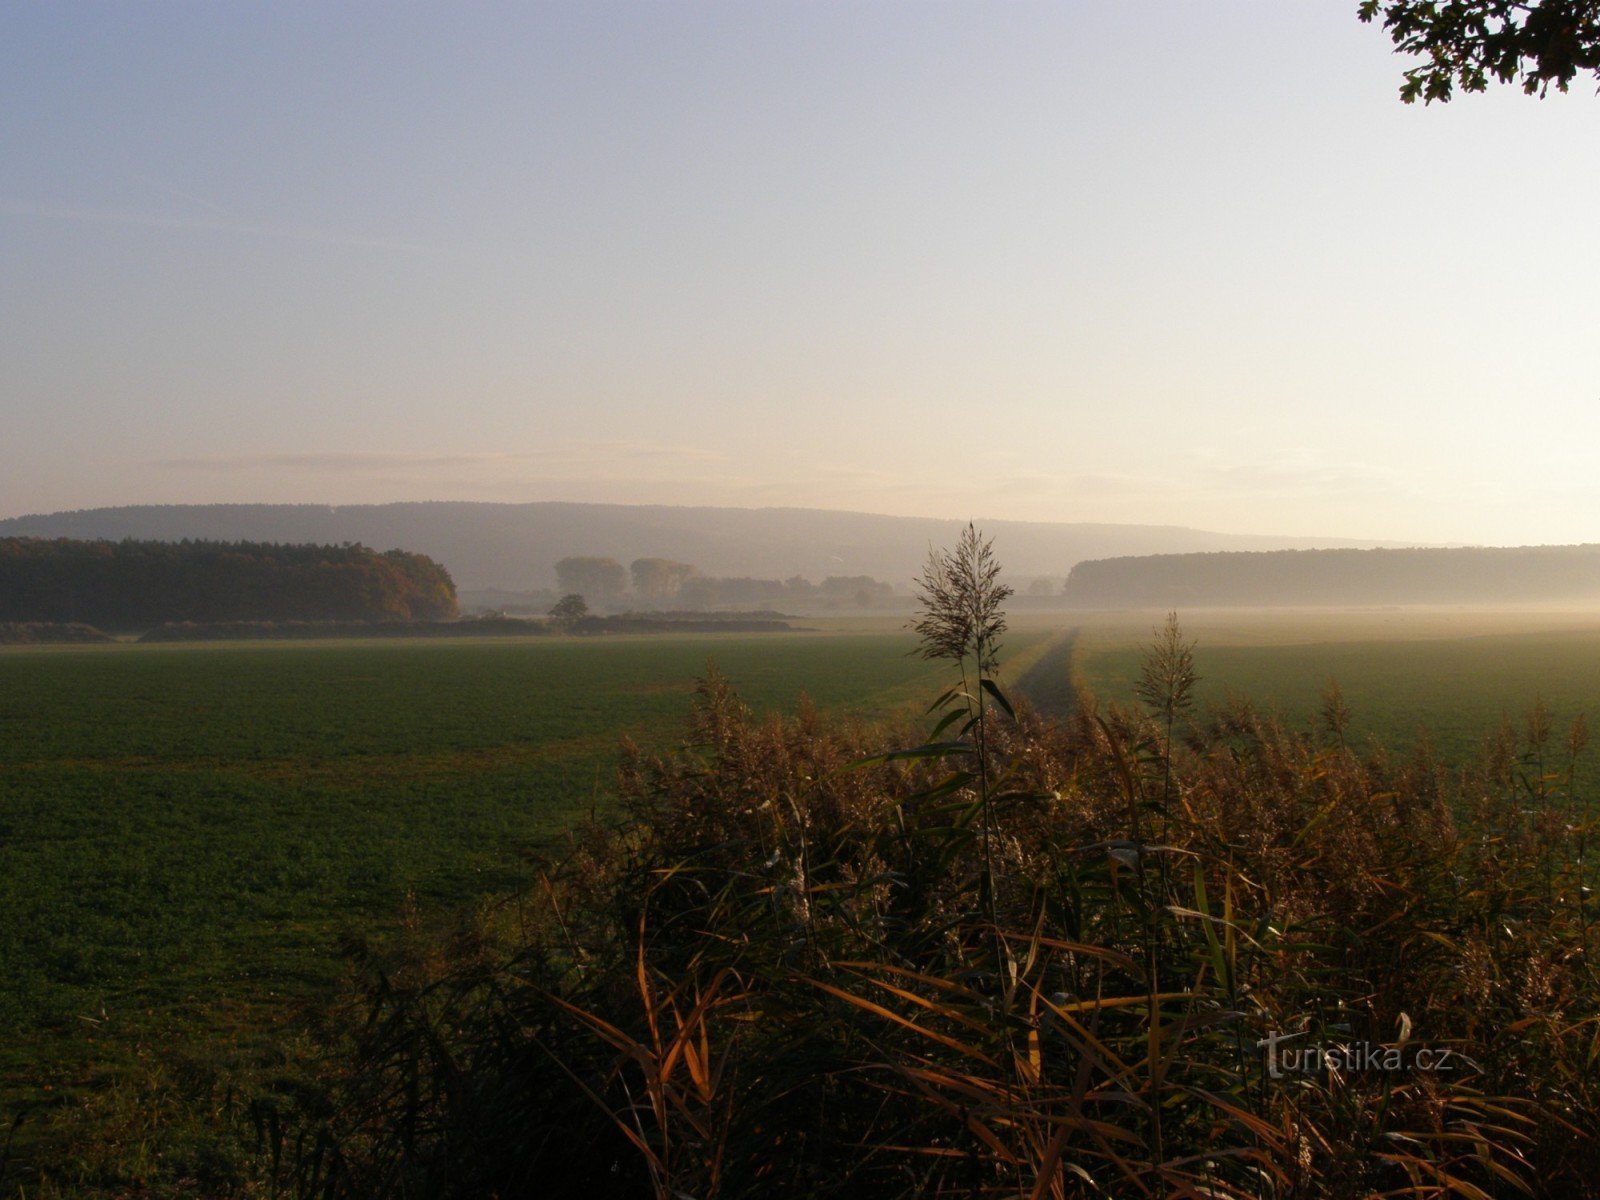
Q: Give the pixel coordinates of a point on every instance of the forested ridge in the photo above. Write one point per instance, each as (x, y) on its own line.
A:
(136, 584)
(1431, 575)
(514, 545)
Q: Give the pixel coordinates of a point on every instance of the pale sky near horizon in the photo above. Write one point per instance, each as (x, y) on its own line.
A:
(1147, 262)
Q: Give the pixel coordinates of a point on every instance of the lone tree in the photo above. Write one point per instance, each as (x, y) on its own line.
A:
(569, 610)
(1468, 42)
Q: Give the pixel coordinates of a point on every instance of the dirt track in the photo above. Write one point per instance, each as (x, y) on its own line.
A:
(1048, 684)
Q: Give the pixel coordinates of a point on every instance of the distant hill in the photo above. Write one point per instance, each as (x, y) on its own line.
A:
(516, 545)
(1457, 575)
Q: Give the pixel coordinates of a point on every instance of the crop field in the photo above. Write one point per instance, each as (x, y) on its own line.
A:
(1451, 676)
(188, 831)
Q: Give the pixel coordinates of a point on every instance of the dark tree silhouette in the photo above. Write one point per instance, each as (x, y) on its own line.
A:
(1469, 42)
(569, 610)
(134, 585)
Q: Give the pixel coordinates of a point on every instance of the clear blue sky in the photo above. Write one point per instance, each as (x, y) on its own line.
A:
(1154, 262)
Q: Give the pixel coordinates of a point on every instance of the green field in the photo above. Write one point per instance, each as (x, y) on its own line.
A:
(188, 831)
(1452, 676)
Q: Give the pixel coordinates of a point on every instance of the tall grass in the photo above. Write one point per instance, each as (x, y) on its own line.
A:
(802, 964)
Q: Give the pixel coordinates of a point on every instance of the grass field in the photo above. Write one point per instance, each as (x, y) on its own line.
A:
(1453, 675)
(187, 831)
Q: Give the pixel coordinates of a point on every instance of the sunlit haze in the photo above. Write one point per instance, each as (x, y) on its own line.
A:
(1171, 263)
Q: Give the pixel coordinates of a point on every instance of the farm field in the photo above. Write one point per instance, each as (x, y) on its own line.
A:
(1454, 674)
(188, 831)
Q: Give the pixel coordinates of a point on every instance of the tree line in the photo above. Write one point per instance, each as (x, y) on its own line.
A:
(659, 582)
(133, 584)
(1455, 575)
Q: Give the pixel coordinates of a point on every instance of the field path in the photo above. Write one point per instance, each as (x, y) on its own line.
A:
(1048, 683)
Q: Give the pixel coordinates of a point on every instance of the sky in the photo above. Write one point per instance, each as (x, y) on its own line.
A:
(1130, 261)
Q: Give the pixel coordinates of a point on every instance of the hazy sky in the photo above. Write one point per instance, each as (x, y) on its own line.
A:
(1117, 261)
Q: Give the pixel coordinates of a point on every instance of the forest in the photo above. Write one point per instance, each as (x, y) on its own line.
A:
(1424, 575)
(133, 585)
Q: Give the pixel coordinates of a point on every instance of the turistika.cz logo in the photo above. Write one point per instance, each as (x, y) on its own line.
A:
(1345, 1058)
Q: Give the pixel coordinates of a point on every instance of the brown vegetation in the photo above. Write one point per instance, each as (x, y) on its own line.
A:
(1023, 958)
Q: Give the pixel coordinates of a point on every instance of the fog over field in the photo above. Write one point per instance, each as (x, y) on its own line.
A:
(517, 545)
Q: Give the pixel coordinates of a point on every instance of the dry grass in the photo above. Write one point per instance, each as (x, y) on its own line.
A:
(785, 972)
